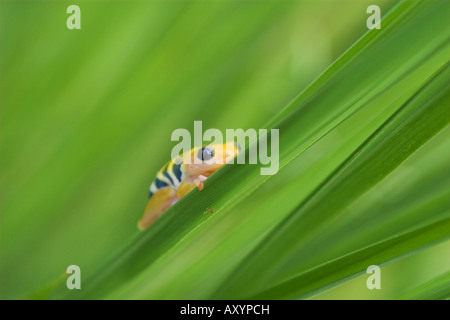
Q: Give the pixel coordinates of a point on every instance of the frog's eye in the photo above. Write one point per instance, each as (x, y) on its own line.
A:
(205, 154)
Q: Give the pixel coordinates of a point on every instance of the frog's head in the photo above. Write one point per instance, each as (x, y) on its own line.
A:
(207, 160)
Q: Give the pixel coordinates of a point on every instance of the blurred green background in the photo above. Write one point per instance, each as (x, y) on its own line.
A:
(87, 115)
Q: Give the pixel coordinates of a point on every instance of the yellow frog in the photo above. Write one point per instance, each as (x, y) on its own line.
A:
(179, 176)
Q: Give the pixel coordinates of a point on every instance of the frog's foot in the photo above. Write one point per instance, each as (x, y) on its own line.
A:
(199, 182)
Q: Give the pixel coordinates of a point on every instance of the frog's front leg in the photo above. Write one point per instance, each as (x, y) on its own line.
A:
(189, 184)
